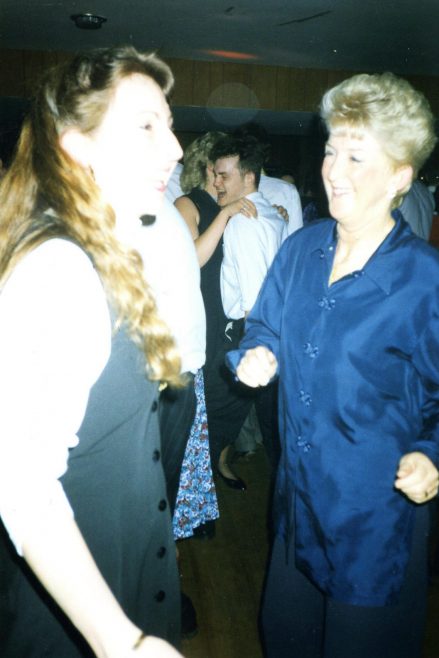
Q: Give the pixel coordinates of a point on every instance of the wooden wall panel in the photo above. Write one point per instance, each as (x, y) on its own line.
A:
(183, 74)
(215, 83)
(282, 88)
(316, 83)
(334, 77)
(236, 91)
(263, 84)
(216, 80)
(201, 83)
(35, 63)
(296, 89)
(12, 73)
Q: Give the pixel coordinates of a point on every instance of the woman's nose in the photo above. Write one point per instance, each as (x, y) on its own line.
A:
(174, 149)
(335, 168)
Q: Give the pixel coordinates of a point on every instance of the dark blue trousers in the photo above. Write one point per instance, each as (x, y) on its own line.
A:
(299, 621)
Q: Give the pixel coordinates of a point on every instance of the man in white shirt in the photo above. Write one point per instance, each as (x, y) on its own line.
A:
(278, 192)
(250, 244)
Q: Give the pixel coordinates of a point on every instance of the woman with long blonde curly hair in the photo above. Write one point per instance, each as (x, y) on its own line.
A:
(82, 492)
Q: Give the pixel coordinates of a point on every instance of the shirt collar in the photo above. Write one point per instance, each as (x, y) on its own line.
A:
(378, 269)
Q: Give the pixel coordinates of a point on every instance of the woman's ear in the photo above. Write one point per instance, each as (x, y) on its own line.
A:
(403, 178)
(249, 181)
(210, 176)
(77, 146)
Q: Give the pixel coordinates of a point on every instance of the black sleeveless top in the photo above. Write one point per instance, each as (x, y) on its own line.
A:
(210, 276)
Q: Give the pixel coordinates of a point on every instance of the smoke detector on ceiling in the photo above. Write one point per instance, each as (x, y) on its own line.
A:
(88, 21)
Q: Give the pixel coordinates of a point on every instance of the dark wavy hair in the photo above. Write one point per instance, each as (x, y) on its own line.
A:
(249, 150)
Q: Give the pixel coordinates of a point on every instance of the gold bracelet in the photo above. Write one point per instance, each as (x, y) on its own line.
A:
(139, 641)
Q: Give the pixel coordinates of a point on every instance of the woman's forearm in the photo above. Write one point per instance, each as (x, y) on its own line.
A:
(60, 558)
(207, 242)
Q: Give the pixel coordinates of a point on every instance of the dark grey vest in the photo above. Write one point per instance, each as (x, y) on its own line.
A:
(116, 487)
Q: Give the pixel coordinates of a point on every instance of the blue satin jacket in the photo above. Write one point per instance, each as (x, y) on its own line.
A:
(358, 388)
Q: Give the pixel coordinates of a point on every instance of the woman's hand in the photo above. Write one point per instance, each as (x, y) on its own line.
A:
(243, 206)
(257, 367)
(283, 212)
(417, 477)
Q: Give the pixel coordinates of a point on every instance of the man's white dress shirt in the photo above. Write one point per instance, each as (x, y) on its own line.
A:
(250, 244)
(280, 193)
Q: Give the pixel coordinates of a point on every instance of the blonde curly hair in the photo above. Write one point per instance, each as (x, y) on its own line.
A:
(196, 159)
(42, 176)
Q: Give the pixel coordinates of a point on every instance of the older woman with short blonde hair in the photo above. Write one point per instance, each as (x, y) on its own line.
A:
(348, 319)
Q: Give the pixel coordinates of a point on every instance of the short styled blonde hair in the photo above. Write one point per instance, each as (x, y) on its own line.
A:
(398, 115)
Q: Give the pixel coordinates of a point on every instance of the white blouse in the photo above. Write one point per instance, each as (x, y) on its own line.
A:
(171, 268)
(55, 339)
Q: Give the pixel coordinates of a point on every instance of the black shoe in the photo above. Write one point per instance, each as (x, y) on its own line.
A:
(234, 483)
(205, 530)
(189, 626)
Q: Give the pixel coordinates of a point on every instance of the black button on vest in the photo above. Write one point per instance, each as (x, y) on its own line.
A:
(161, 552)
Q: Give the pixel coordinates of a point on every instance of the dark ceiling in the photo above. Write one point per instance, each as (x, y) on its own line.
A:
(369, 35)
(397, 35)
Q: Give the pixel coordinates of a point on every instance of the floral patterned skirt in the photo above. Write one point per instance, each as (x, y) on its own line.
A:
(196, 498)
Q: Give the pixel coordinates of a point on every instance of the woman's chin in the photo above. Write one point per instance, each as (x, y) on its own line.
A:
(137, 209)
(153, 204)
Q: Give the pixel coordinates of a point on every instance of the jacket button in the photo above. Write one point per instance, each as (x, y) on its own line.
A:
(154, 406)
(160, 596)
(163, 505)
(156, 455)
(161, 552)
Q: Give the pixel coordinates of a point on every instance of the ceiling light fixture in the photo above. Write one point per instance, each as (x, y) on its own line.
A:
(88, 21)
